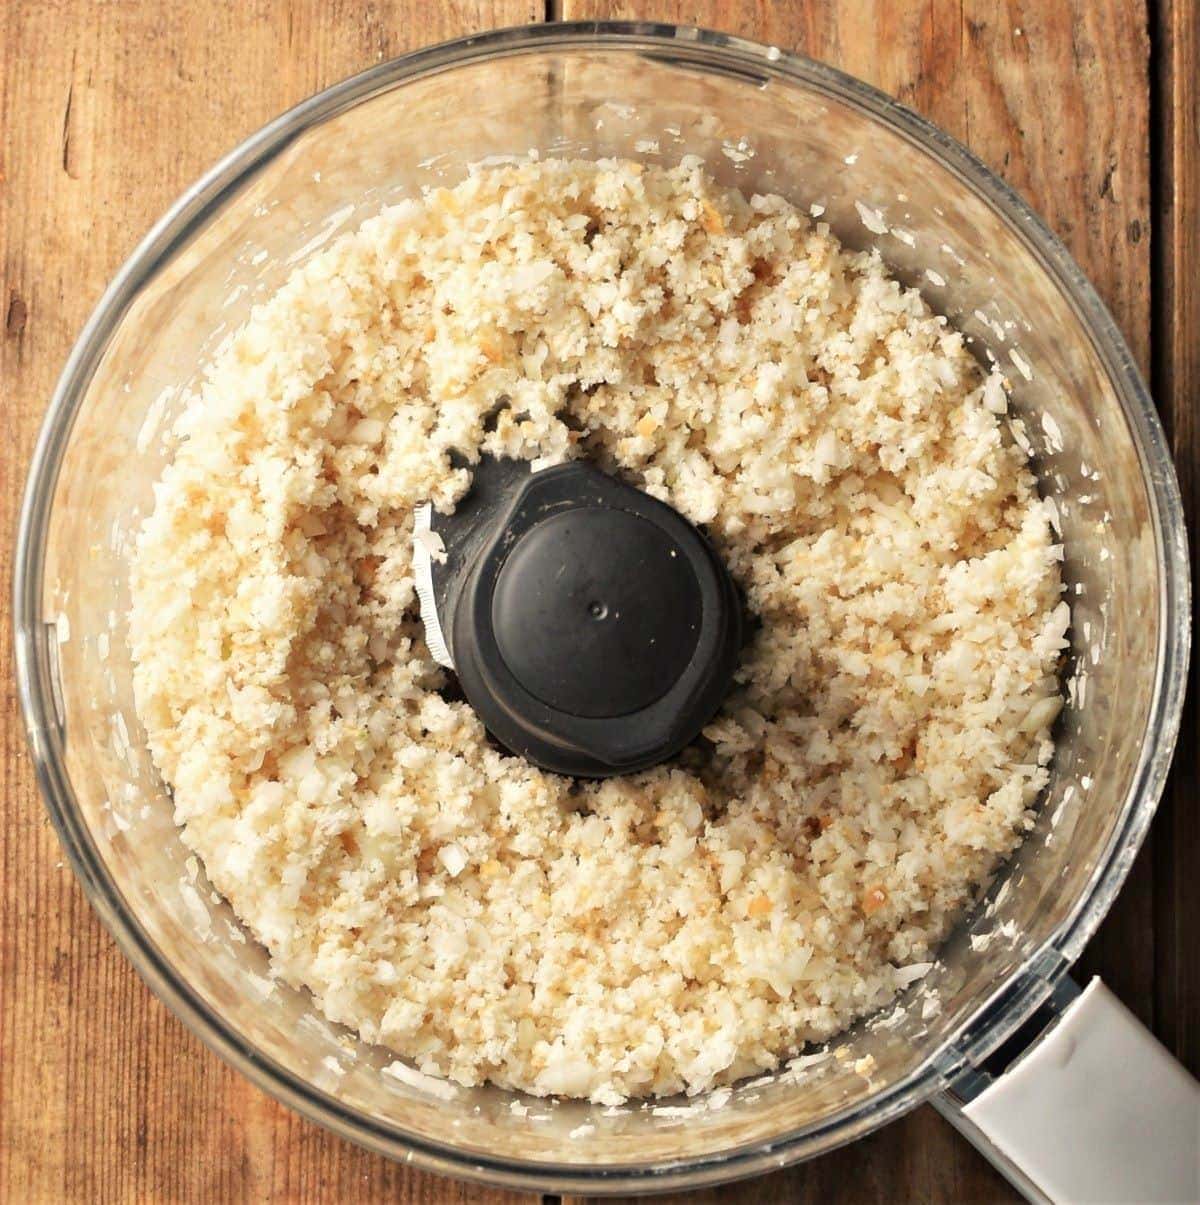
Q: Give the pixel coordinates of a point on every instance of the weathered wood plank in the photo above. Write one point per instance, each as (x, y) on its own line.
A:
(108, 112)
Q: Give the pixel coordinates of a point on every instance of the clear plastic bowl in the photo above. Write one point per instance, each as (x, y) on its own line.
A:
(762, 120)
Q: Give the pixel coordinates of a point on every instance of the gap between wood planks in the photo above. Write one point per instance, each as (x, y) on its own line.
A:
(1174, 29)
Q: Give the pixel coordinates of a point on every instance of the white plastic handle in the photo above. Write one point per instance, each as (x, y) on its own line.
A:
(1095, 1111)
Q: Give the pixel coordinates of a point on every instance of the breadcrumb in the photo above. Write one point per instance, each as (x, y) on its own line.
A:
(674, 929)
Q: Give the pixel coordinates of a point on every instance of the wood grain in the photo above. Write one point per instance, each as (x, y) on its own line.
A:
(109, 110)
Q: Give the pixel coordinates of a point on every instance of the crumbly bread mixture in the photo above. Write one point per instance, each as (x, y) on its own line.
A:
(890, 726)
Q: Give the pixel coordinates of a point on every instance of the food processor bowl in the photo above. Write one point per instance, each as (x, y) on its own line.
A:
(761, 120)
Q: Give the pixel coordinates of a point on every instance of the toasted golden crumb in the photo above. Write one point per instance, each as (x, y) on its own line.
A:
(711, 219)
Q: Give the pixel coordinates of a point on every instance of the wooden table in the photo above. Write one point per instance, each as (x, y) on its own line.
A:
(110, 109)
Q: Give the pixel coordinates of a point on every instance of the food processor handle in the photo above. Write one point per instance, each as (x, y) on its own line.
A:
(1095, 1110)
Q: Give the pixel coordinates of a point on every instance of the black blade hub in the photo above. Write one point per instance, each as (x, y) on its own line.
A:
(593, 629)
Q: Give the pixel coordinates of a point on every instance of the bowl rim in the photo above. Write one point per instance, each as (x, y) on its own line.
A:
(996, 1016)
